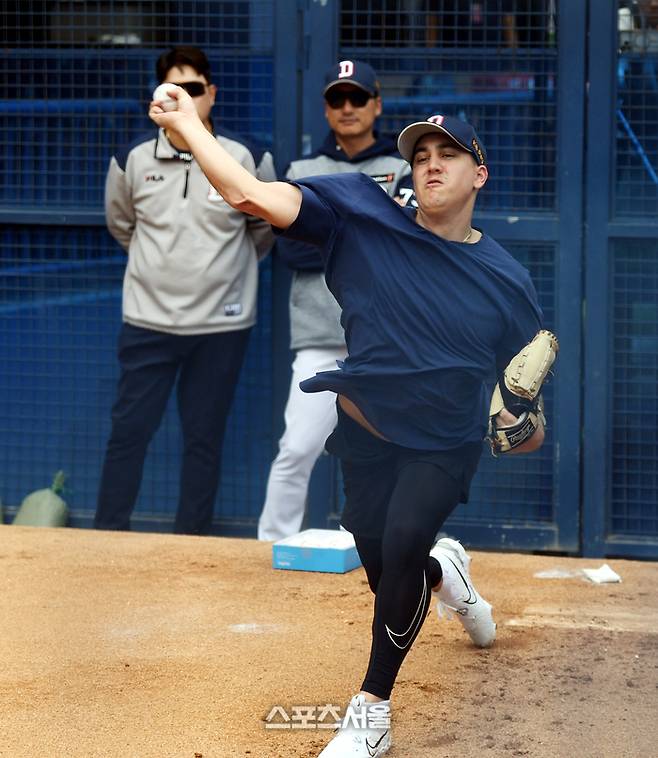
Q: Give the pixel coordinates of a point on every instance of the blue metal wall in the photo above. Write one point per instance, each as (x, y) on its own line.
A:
(620, 372)
(573, 194)
(76, 81)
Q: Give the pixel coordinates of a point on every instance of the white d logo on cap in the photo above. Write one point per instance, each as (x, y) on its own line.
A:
(436, 120)
(346, 69)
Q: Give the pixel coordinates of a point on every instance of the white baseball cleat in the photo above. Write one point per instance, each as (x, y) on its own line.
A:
(457, 593)
(364, 732)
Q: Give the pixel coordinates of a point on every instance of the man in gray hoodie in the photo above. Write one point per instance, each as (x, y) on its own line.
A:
(189, 302)
(352, 104)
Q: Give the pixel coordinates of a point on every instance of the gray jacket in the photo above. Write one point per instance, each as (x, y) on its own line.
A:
(192, 259)
(314, 313)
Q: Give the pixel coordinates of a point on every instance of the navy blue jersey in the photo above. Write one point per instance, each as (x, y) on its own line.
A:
(426, 320)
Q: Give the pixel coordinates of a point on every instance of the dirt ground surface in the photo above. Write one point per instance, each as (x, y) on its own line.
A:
(122, 645)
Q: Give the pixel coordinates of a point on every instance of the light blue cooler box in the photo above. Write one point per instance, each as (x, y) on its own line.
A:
(329, 550)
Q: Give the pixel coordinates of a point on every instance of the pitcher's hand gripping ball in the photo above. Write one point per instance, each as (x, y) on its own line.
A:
(161, 93)
(521, 393)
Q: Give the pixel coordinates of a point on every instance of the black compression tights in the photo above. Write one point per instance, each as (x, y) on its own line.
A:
(399, 569)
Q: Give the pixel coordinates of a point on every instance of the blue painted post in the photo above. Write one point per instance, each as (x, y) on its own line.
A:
(570, 181)
(288, 63)
(320, 51)
(597, 356)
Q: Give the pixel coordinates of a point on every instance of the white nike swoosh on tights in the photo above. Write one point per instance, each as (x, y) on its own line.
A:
(416, 621)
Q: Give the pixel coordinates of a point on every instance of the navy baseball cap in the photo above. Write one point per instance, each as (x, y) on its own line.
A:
(357, 73)
(459, 131)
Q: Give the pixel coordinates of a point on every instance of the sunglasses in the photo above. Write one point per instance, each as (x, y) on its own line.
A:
(193, 89)
(358, 98)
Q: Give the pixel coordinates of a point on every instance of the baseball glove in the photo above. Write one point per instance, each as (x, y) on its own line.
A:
(519, 392)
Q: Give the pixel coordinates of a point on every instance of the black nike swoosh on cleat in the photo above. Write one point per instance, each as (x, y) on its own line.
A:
(373, 748)
(471, 595)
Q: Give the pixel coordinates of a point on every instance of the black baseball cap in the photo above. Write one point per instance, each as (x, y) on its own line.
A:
(357, 73)
(459, 131)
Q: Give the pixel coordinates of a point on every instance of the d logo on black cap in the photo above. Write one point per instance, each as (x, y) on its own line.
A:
(346, 69)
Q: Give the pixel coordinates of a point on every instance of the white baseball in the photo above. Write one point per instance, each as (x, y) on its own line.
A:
(161, 93)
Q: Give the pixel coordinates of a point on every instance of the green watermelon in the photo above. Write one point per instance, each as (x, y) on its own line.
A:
(44, 507)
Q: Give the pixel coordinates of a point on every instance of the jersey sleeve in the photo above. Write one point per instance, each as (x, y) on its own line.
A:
(299, 256)
(296, 254)
(329, 204)
(325, 205)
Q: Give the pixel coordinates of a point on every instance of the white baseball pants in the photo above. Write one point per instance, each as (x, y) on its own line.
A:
(310, 419)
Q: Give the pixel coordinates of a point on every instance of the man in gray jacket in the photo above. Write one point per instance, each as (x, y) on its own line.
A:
(189, 302)
(352, 104)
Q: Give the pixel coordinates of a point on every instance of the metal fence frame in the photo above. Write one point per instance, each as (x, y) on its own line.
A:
(584, 223)
(603, 228)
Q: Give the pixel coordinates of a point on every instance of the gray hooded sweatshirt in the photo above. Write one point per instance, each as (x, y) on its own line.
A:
(314, 313)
